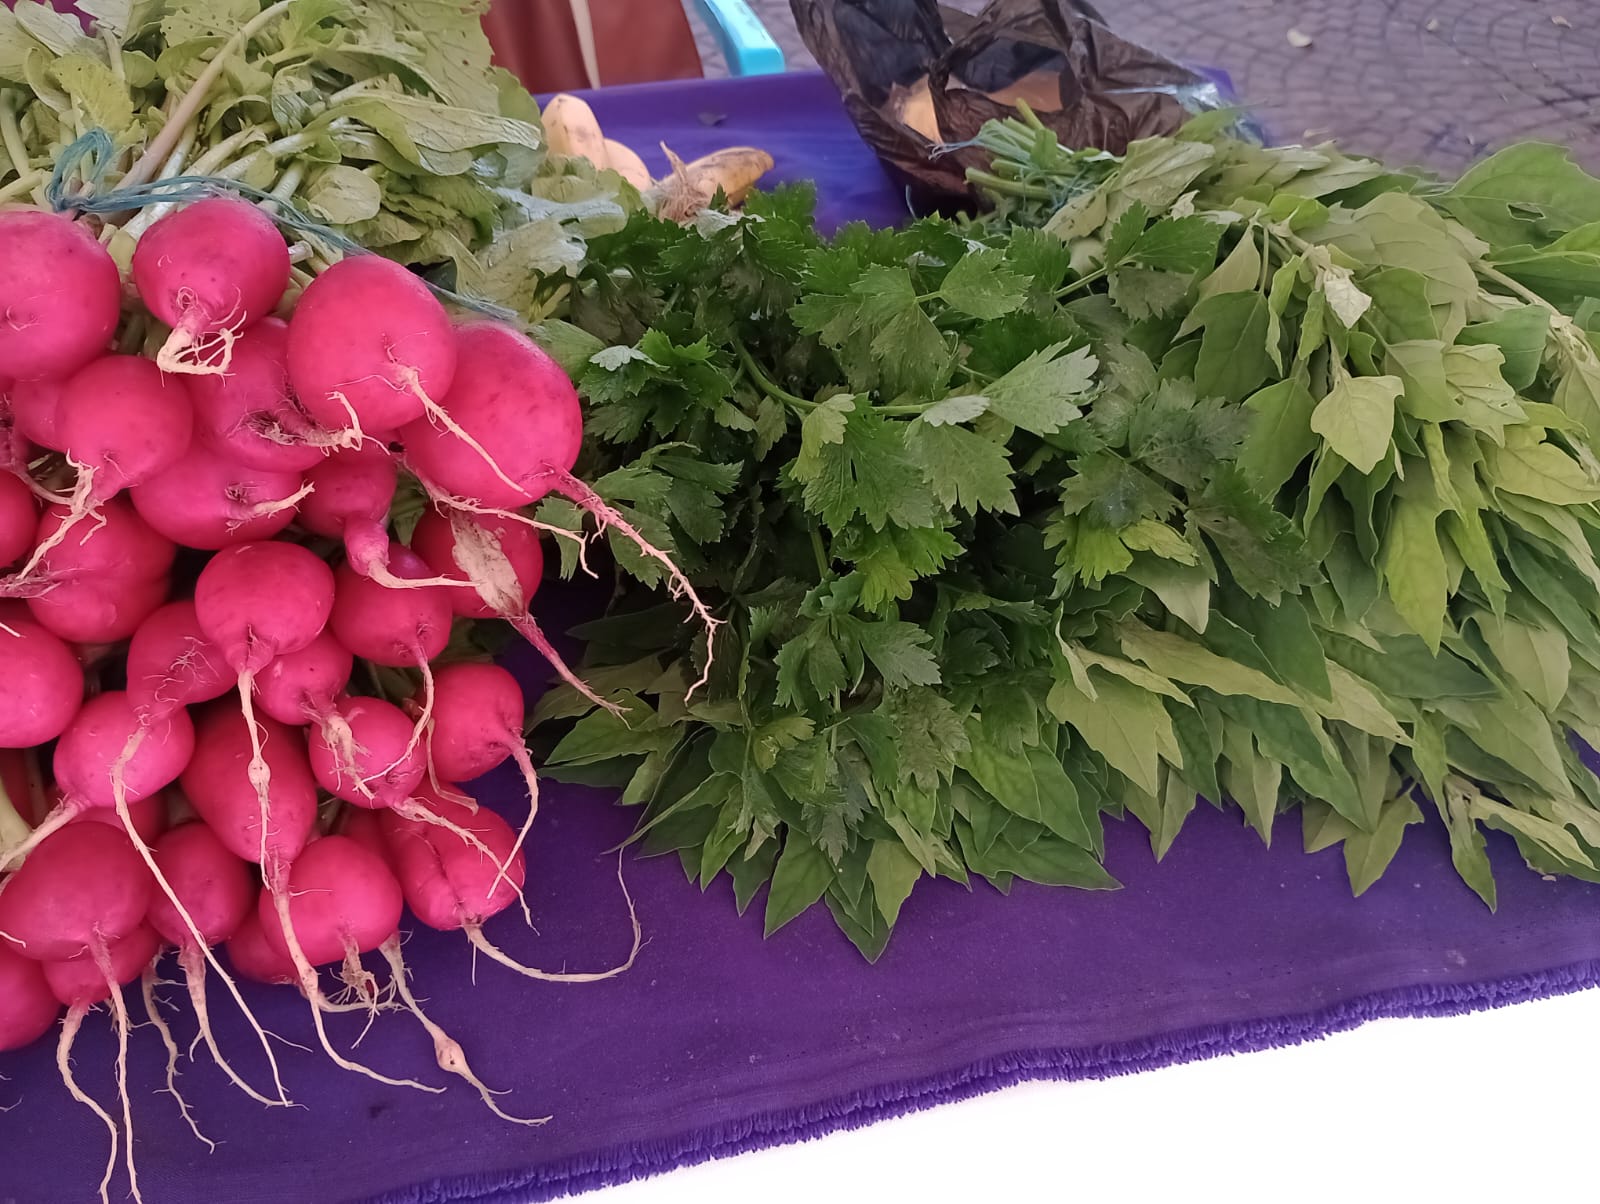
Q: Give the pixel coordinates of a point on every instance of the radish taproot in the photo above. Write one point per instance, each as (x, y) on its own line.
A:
(208, 271)
(80, 983)
(60, 295)
(213, 894)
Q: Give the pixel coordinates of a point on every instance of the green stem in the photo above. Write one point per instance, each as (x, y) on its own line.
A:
(16, 149)
(21, 186)
(1088, 278)
(1032, 192)
(824, 563)
(13, 828)
(114, 54)
(1521, 290)
(766, 384)
(195, 98)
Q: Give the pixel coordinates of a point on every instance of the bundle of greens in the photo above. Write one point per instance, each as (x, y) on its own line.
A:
(1258, 475)
(381, 120)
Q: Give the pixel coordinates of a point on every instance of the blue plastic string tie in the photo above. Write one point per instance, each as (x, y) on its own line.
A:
(87, 159)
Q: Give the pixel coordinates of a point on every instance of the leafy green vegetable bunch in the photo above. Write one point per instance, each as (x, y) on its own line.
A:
(1259, 475)
(382, 119)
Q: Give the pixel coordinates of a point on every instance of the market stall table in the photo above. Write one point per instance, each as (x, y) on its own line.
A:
(718, 1040)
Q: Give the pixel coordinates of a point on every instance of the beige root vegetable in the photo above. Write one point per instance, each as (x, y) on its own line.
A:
(627, 164)
(571, 129)
(691, 187)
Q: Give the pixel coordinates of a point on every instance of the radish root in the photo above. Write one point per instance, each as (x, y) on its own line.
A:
(475, 935)
(70, 1026)
(678, 585)
(193, 959)
(313, 991)
(451, 1057)
(152, 1009)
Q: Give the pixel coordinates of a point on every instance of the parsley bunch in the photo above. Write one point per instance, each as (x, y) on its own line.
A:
(1261, 476)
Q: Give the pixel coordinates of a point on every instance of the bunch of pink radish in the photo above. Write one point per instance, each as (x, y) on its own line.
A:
(197, 764)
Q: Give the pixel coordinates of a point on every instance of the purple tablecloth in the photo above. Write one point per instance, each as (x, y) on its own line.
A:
(719, 1041)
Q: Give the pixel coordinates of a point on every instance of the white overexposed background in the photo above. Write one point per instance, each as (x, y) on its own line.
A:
(1498, 1105)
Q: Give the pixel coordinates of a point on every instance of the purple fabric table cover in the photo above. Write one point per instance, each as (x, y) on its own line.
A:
(719, 1041)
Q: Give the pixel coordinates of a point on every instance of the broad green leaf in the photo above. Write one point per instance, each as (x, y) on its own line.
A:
(1357, 418)
(1055, 862)
(1520, 334)
(1414, 568)
(1156, 172)
(982, 286)
(1126, 725)
(1357, 703)
(343, 196)
(1280, 435)
(1368, 854)
(1238, 273)
(1285, 634)
(1186, 661)
(1542, 471)
(1536, 658)
(1322, 827)
(1419, 363)
(965, 470)
(1138, 675)
(1529, 193)
(1551, 836)
(1467, 849)
(894, 872)
(1030, 783)
(1250, 779)
(1233, 351)
(800, 878)
(1184, 590)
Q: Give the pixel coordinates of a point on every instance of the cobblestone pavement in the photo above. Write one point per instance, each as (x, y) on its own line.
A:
(1432, 82)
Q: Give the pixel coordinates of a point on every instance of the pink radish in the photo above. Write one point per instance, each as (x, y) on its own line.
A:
(60, 295)
(401, 628)
(213, 884)
(501, 559)
(258, 601)
(172, 664)
(27, 1006)
(298, 688)
(449, 884)
(376, 765)
(370, 348)
(82, 884)
(478, 718)
(99, 585)
(208, 271)
(204, 501)
(249, 415)
(43, 681)
(149, 817)
(346, 901)
(254, 958)
(218, 782)
(505, 564)
(123, 422)
(350, 499)
(80, 983)
(109, 757)
(19, 518)
(509, 394)
(33, 411)
(343, 898)
(80, 980)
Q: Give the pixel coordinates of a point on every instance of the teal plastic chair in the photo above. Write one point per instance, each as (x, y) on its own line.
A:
(744, 41)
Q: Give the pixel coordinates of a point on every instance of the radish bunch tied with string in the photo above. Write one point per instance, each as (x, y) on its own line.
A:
(205, 607)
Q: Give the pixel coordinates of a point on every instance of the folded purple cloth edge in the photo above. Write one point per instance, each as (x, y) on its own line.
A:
(624, 1164)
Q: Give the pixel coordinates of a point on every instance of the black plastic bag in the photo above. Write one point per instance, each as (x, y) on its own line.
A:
(920, 78)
